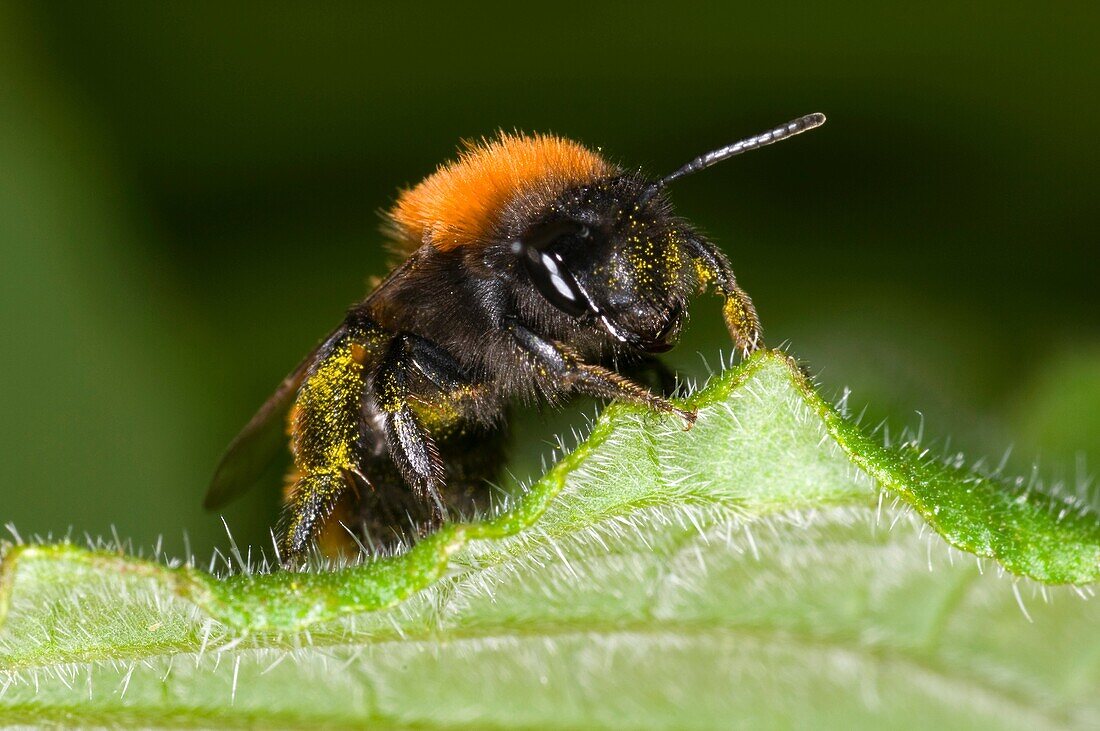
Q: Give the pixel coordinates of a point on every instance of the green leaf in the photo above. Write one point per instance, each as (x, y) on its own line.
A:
(774, 566)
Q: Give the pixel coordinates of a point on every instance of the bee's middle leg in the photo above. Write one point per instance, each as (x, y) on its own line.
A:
(411, 447)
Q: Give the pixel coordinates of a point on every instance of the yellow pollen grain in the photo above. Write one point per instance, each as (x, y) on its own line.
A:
(326, 414)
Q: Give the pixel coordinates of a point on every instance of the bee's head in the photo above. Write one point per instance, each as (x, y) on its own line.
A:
(594, 243)
(610, 249)
(610, 253)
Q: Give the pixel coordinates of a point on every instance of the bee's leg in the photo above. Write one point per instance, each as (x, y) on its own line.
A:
(714, 268)
(592, 380)
(411, 447)
(437, 365)
(324, 426)
(310, 502)
(652, 371)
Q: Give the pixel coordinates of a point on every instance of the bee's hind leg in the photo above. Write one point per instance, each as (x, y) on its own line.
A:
(325, 427)
(310, 504)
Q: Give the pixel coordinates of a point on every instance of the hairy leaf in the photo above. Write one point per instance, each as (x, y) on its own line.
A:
(774, 566)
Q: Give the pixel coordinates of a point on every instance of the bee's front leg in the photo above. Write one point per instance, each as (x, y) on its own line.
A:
(653, 372)
(592, 380)
(737, 310)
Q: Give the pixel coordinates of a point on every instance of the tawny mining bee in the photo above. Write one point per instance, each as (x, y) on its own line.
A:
(532, 265)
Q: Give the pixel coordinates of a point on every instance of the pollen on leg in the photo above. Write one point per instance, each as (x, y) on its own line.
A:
(743, 324)
(311, 503)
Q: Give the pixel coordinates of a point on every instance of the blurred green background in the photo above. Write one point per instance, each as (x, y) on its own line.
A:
(189, 197)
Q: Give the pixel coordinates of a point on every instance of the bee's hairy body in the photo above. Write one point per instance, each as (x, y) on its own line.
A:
(528, 263)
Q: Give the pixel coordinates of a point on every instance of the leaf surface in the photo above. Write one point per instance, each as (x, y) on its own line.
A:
(773, 567)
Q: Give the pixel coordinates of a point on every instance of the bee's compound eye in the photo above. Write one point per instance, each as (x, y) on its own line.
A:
(555, 282)
(543, 251)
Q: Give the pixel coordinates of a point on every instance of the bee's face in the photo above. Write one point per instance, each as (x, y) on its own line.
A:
(603, 253)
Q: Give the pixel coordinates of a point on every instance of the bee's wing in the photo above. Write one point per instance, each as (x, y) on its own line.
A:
(262, 438)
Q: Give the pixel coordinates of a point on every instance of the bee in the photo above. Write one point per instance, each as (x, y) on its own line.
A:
(531, 266)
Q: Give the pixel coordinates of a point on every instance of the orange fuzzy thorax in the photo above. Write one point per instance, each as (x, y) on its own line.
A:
(459, 203)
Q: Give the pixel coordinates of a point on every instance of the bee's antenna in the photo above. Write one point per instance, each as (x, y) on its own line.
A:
(782, 132)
